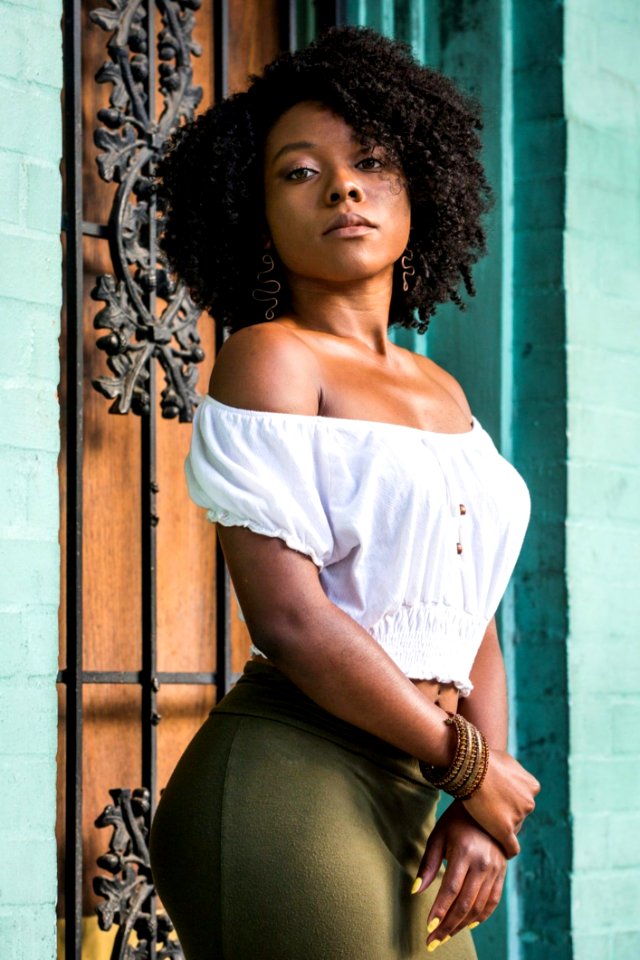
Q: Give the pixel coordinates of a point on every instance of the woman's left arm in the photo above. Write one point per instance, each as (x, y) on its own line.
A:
(476, 865)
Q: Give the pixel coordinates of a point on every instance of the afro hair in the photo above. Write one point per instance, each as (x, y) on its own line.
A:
(209, 180)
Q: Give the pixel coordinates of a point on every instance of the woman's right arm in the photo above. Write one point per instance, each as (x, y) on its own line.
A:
(336, 663)
(318, 646)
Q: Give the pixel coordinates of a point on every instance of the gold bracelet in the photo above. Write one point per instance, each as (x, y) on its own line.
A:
(440, 777)
(467, 770)
(482, 772)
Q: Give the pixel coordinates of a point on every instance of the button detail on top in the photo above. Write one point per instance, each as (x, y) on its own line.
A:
(463, 509)
(459, 547)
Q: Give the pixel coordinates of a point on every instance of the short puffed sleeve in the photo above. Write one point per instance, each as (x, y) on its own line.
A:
(261, 470)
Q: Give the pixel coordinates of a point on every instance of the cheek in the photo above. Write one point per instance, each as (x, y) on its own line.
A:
(393, 195)
(400, 214)
(287, 223)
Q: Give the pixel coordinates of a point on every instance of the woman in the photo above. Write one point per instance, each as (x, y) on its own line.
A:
(368, 522)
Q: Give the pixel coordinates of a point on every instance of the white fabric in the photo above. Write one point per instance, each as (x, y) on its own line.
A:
(376, 506)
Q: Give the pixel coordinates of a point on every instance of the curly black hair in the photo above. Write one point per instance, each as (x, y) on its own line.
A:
(210, 180)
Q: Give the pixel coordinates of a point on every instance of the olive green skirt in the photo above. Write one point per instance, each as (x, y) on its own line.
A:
(285, 833)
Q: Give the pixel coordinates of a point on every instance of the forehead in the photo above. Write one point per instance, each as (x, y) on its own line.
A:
(309, 120)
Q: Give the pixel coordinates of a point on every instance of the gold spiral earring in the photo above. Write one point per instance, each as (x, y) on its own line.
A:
(262, 294)
(408, 270)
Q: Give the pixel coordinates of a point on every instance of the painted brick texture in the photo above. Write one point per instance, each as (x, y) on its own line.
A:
(30, 301)
(602, 254)
(539, 451)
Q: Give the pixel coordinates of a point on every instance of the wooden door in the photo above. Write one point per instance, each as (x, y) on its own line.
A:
(109, 452)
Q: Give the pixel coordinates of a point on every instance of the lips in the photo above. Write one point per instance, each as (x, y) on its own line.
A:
(348, 220)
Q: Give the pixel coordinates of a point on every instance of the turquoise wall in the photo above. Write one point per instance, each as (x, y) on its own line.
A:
(30, 301)
(538, 448)
(548, 354)
(602, 256)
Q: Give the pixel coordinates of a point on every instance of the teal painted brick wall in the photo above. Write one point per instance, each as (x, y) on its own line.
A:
(602, 251)
(30, 301)
(539, 450)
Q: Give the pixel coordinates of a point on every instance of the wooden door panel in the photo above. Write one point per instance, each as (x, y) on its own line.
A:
(112, 491)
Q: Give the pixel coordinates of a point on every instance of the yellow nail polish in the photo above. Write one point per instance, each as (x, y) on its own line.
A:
(417, 883)
(435, 923)
(448, 937)
(473, 925)
(433, 946)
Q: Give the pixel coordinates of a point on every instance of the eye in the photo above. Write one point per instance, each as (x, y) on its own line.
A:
(290, 174)
(377, 160)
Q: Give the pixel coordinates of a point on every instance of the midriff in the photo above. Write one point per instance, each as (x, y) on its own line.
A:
(444, 695)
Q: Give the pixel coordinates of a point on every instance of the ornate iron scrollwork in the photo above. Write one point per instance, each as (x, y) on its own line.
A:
(128, 893)
(130, 139)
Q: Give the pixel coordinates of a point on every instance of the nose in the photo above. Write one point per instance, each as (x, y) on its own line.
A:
(342, 187)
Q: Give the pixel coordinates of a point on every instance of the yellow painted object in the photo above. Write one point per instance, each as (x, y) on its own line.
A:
(97, 944)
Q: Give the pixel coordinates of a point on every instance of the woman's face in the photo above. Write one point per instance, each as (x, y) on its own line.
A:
(315, 170)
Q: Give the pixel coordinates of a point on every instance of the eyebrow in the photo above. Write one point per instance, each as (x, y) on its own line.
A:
(298, 145)
(301, 145)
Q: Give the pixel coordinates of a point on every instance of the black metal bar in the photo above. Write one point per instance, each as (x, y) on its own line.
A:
(223, 626)
(149, 517)
(89, 228)
(74, 441)
(135, 677)
(221, 49)
(222, 586)
(292, 25)
(99, 230)
(330, 13)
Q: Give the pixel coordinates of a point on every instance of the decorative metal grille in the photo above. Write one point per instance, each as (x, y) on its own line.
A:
(128, 895)
(129, 139)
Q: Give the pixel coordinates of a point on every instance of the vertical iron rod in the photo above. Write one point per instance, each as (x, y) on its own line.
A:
(221, 49)
(292, 25)
(74, 440)
(223, 585)
(149, 516)
(330, 14)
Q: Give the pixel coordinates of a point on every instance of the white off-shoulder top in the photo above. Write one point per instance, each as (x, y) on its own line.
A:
(415, 533)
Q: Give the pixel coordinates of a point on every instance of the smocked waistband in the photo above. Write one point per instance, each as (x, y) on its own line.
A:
(263, 691)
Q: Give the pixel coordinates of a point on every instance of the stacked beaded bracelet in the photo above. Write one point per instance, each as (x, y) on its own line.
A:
(469, 766)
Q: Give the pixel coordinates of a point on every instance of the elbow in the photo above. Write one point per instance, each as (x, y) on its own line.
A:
(285, 627)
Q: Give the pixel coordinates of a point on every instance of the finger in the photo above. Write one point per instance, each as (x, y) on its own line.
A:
(487, 899)
(452, 883)
(464, 909)
(494, 897)
(430, 863)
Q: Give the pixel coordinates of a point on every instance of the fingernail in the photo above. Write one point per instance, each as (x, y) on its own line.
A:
(448, 937)
(433, 946)
(417, 883)
(435, 923)
(472, 926)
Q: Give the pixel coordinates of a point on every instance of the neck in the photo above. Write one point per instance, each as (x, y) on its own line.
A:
(355, 309)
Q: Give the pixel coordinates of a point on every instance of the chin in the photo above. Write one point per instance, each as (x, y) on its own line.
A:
(352, 269)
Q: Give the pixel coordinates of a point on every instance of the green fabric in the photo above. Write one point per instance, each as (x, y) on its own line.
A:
(285, 833)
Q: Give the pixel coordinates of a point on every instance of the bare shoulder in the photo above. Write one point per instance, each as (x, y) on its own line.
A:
(446, 381)
(267, 367)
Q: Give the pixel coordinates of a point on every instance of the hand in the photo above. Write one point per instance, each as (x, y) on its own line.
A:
(504, 800)
(473, 880)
